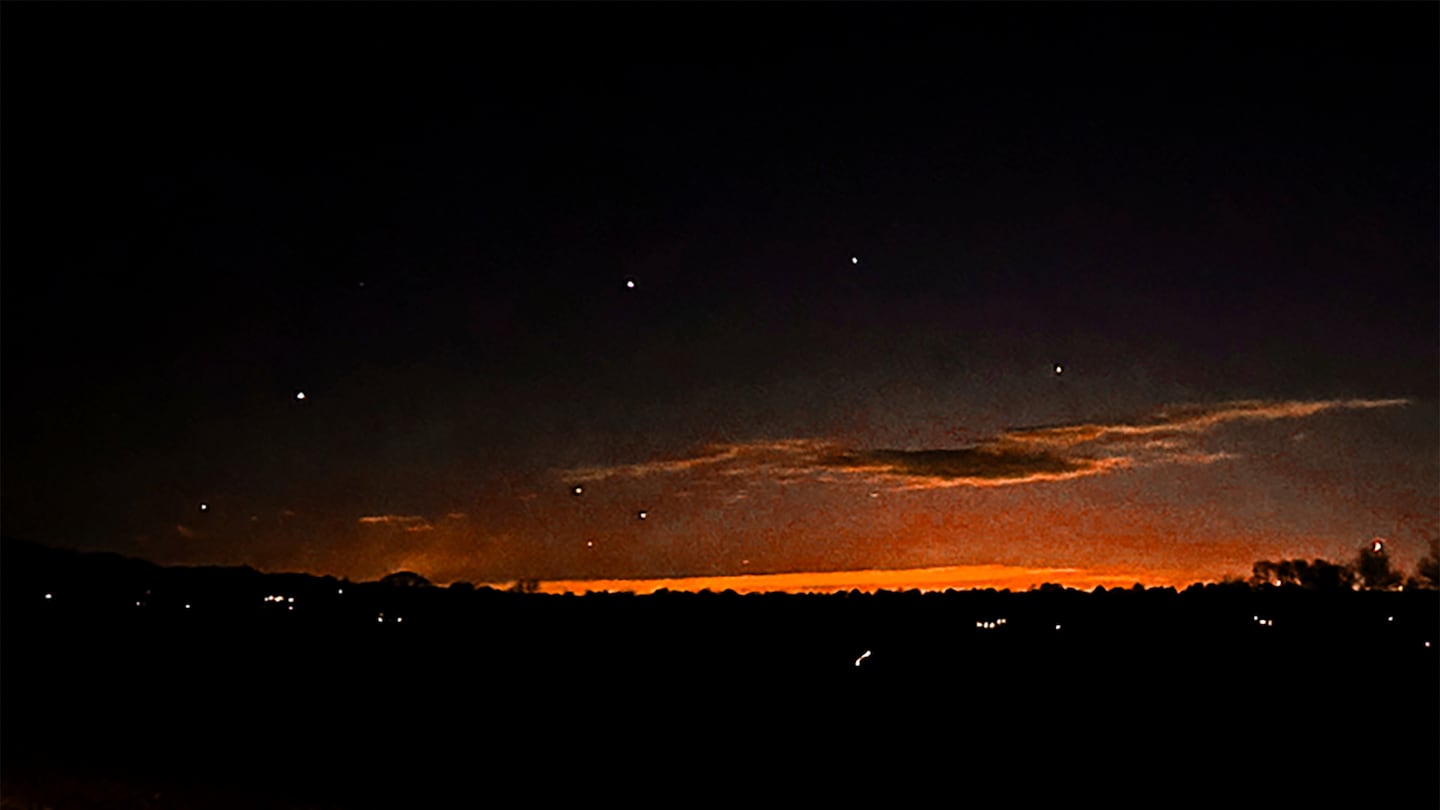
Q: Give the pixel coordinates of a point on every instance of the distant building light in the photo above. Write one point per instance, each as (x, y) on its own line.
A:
(399, 619)
(340, 591)
(291, 599)
(48, 596)
(187, 605)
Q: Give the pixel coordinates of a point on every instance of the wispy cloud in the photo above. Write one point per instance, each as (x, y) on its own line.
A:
(410, 523)
(1018, 456)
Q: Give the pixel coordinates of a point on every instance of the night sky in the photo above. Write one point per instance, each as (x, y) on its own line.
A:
(1010, 293)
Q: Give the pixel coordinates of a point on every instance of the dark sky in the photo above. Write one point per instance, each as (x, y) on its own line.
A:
(1219, 221)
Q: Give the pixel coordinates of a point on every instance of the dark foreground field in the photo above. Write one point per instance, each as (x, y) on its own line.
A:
(483, 697)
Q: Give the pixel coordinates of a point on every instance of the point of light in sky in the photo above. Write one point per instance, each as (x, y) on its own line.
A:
(630, 283)
(204, 506)
(577, 490)
(48, 596)
(187, 605)
(1059, 369)
(642, 514)
(1377, 545)
(854, 259)
(300, 395)
(862, 657)
(589, 543)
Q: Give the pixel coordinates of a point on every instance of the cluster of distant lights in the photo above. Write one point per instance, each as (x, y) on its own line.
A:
(990, 625)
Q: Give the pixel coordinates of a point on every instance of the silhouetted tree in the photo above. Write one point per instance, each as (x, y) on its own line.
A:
(405, 579)
(1427, 571)
(1373, 571)
(461, 586)
(526, 586)
(1318, 575)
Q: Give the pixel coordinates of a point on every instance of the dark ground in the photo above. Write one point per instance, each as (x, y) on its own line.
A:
(484, 696)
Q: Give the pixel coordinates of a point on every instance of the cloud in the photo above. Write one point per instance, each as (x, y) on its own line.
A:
(1171, 435)
(410, 523)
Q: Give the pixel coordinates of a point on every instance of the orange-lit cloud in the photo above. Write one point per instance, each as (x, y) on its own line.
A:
(410, 523)
(1017, 456)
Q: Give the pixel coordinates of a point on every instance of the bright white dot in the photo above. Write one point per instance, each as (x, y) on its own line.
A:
(642, 514)
(1376, 546)
(1427, 644)
(289, 607)
(1057, 627)
(291, 599)
(341, 590)
(578, 490)
(854, 259)
(48, 596)
(380, 618)
(399, 619)
(862, 657)
(979, 624)
(187, 607)
(300, 395)
(1389, 618)
(1059, 369)
(630, 283)
(589, 543)
(204, 506)
(137, 604)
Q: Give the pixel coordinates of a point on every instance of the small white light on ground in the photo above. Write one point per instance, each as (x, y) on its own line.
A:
(341, 590)
(291, 599)
(1389, 618)
(578, 490)
(642, 514)
(1059, 370)
(300, 395)
(1057, 627)
(589, 543)
(862, 657)
(399, 619)
(854, 259)
(630, 283)
(48, 596)
(204, 506)
(187, 606)
(380, 618)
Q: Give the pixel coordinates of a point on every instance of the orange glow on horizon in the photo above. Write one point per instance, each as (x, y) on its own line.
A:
(956, 577)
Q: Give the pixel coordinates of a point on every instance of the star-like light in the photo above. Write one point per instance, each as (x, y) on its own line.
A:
(300, 395)
(854, 259)
(642, 514)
